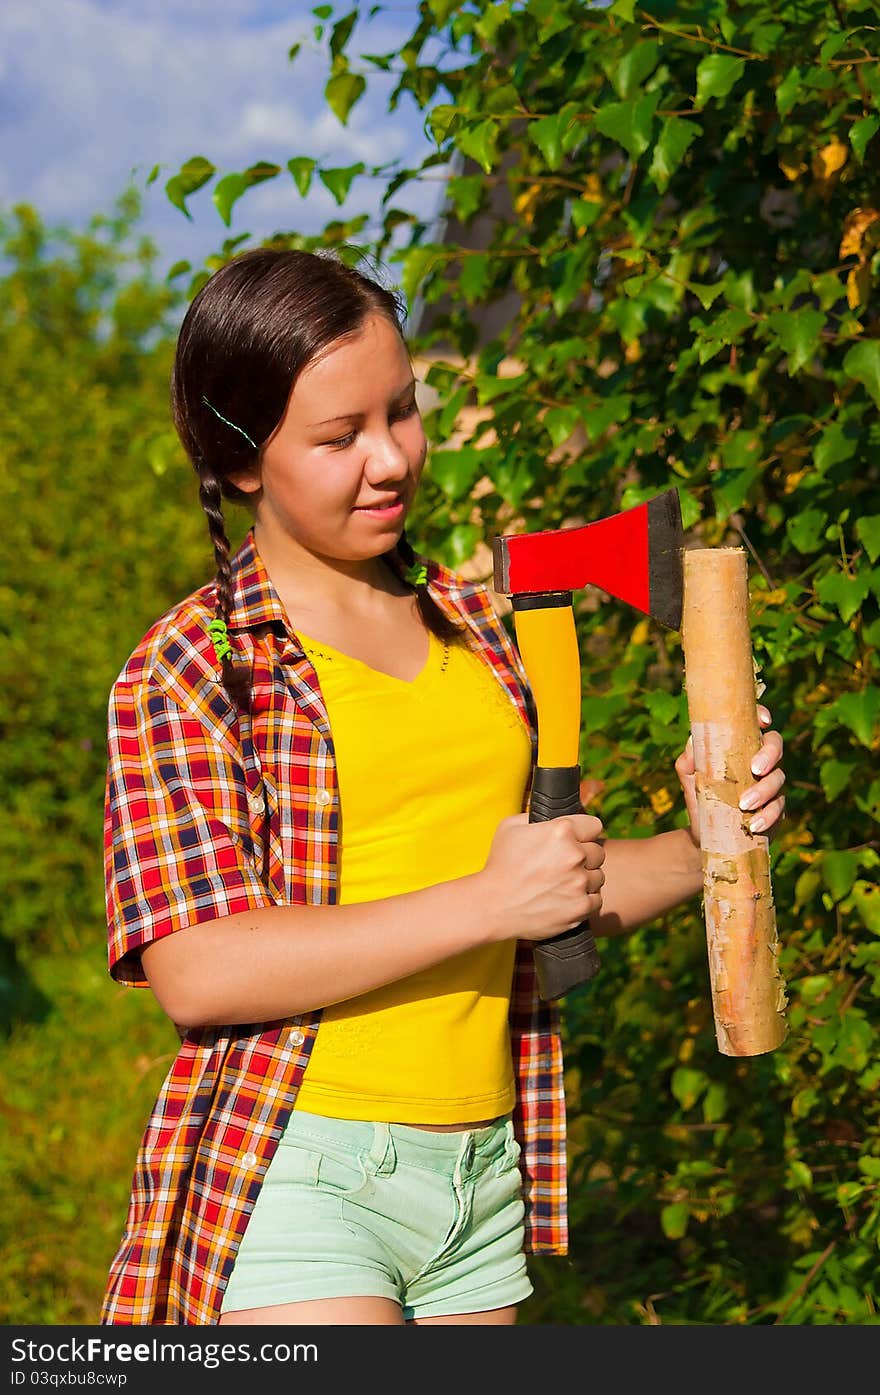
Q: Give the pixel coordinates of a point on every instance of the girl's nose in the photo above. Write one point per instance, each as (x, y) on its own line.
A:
(387, 459)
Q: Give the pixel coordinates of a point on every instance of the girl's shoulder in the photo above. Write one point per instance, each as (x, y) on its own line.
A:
(176, 654)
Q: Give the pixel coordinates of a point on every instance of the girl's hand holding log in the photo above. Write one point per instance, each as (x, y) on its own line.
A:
(763, 800)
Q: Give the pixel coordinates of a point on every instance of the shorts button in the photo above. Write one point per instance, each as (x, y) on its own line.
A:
(296, 1038)
(323, 797)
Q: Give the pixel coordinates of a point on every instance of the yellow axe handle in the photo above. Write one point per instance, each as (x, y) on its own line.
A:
(547, 642)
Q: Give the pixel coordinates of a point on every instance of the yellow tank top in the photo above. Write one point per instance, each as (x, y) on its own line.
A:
(426, 770)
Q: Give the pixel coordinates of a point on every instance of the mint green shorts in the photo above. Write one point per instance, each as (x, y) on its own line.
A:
(431, 1220)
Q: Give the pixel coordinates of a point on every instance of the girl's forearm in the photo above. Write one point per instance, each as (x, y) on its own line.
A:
(645, 877)
(280, 961)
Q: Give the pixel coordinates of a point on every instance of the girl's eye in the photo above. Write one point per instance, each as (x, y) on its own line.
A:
(343, 442)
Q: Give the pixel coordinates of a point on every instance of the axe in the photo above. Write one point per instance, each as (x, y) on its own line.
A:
(636, 556)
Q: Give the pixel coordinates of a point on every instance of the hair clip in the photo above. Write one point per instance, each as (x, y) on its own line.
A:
(417, 574)
(226, 420)
(217, 631)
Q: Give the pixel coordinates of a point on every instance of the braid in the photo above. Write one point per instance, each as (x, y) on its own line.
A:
(211, 498)
(435, 619)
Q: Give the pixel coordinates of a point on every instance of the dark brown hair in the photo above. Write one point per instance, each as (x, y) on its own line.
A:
(246, 337)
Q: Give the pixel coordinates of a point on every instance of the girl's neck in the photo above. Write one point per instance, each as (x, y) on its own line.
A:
(311, 584)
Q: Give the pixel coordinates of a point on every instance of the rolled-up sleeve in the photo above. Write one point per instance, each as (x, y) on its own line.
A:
(177, 843)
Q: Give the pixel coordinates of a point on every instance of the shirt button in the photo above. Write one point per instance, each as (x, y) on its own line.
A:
(255, 802)
(323, 797)
(249, 1160)
(296, 1038)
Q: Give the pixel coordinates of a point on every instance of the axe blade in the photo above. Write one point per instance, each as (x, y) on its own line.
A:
(634, 555)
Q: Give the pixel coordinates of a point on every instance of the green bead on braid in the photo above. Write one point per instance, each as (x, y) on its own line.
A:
(220, 637)
(417, 574)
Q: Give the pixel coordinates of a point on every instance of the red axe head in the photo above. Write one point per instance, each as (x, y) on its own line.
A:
(634, 555)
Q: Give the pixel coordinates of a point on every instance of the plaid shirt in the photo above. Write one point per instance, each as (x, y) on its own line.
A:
(207, 815)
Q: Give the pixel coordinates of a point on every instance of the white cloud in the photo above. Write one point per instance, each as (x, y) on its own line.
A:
(97, 89)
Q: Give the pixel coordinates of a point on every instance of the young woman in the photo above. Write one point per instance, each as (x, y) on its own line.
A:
(319, 859)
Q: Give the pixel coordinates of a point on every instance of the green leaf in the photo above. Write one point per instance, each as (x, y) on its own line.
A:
(805, 529)
(598, 416)
(868, 533)
(676, 136)
(440, 122)
(418, 263)
(863, 364)
(342, 91)
(302, 167)
(839, 872)
(866, 899)
(546, 133)
(480, 143)
(338, 181)
(833, 44)
(835, 776)
(466, 194)
(189, 178)
(584, 213)
(560, 423)
(687, 1085)
(153, 175)
(861, 132)
(706, 294)
(456, 471)
(716, 75)
(674, 1219)
(230, 188)
(341, 33)
(845, 593)
(799, 1177)
(837, 443)
(860, 712)
(474, 276)
(798, 334)
(715, 1103)
(788, 91)
(628, 73)
(629, 123)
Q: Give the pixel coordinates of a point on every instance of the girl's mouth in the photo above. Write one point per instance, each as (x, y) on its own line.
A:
(389, 511)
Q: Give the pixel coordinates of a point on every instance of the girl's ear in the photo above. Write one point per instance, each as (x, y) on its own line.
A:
(248, 481)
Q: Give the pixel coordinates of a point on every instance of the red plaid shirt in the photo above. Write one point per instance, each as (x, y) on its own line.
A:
(206, 816)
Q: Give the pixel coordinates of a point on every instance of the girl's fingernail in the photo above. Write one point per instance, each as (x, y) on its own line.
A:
(758, 766)
(750, 800)
(758, 824)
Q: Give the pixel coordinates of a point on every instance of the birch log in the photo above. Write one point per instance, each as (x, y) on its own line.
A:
(748, 994)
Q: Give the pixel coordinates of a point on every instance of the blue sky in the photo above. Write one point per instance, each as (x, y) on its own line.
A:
(94, 93)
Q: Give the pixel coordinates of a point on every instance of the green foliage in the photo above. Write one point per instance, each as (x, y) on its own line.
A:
(102, 531)
(691, 251)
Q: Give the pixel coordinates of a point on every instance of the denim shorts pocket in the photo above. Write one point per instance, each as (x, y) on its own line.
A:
(295, 1164)
(340, 1171)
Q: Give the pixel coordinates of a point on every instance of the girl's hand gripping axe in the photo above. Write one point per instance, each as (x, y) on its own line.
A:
(636, 557)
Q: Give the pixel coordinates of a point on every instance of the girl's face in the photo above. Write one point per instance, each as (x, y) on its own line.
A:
(340, 471)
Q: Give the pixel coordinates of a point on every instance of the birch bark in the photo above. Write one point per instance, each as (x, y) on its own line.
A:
(748, 993)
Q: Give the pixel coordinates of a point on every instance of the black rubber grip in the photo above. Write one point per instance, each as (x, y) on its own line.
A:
(570, 958)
